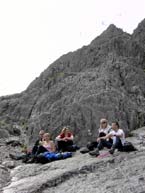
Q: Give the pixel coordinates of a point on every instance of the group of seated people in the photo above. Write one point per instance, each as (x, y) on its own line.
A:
(63, 143)
(111, 137)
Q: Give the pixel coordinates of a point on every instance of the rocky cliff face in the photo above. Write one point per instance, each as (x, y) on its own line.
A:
(103, 79)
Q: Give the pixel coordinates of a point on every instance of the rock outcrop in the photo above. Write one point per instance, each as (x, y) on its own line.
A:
(103, 79)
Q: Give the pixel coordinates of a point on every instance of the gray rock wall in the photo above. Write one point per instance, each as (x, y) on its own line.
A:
(103, 79)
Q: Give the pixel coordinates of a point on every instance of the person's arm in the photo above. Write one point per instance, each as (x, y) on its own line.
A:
(120, 134)
(53, 148)
(105, 137)
(71, 137)
(37, 143)
(58, 138)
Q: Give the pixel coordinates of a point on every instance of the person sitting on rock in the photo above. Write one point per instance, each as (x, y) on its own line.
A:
(46, 144)
(37, 143)
(104, 129)
(27, 154)
(65, 140)
(118, 137)
(35, 147)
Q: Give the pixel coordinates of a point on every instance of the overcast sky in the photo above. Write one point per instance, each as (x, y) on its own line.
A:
(34, 33)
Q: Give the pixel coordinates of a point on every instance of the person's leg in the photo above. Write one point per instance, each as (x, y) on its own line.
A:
(69, 143)
(33, 157)
(69, 146)
(17, 156)
(116, 144)
(60, 145)
(104, 143)
(27, 157)
(34, 149)
(92, 145)
(107, 144)
(41, 149)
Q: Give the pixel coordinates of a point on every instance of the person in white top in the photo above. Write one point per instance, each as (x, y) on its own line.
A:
(104, 127)
(118, 137)
(103, 130)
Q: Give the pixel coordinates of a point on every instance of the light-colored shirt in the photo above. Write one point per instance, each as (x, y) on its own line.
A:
(105, 130)
(119, 133)
(48, 146)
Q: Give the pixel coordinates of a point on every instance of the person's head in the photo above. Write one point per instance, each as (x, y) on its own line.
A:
(65, 130)
(41, 133)
(46, 136)
(115, 125)
(103, 123)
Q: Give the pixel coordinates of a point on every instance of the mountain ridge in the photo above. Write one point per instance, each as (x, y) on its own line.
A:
(103, 79)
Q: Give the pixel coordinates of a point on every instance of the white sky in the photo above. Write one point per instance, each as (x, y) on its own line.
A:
(34, 33)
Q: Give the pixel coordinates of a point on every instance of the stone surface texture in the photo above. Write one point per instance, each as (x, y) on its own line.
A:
(121, 172)
(105, 79)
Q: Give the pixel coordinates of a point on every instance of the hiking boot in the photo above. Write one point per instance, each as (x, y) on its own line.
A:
(94, 152)
(84, 150)
(100, 146)
(31, 160)
(24, 160)
(112, 150)
(90, 146)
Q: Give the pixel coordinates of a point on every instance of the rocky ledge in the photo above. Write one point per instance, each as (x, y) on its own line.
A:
(122, 172)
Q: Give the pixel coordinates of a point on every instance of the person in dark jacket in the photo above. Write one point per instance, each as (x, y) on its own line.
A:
(25, 155)
(38, 142)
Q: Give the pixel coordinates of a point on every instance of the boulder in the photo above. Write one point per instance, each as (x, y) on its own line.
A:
(4, 176)
(4, 133)
(9, 164)
(13, 141)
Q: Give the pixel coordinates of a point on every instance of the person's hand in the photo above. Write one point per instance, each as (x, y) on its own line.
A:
(40, 142)
(65, 139)
(98, 139)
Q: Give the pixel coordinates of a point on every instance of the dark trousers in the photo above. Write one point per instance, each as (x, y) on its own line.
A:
(100, 145)
(92, 145)
(35, 149)
(64, 145)
(40, 149)
(117, 144)
(104, 143)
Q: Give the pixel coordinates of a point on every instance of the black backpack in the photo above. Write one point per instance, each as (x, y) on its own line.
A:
(128, 146)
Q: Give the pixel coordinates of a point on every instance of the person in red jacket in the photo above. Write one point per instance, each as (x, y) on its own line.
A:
(64, 140)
